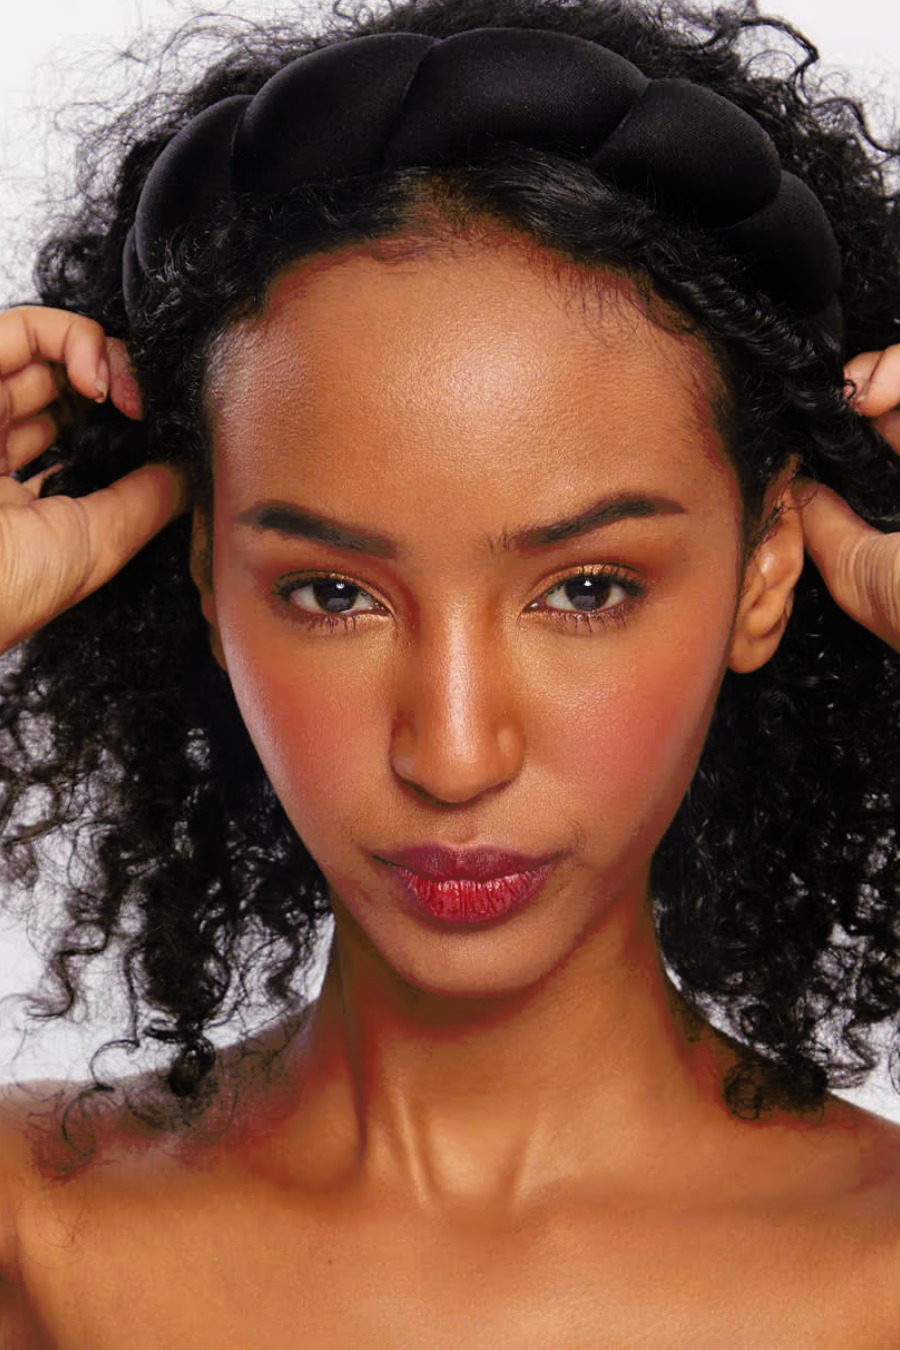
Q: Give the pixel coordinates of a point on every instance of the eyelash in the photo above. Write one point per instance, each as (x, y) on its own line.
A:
(617, 616)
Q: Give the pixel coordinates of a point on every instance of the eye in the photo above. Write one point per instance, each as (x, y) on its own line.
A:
(591, 596)
(329, 601)
(599, 595)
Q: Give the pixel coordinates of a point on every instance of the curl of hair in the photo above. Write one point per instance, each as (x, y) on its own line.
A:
(777, 886)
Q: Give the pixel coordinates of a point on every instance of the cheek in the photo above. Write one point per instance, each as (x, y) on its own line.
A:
(659, 732)
(315, 723)
(612, 725)
(626, 739)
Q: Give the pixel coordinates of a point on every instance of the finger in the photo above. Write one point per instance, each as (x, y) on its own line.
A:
(34, 332)
(35, 483)
(123, 517)
(859, 565)
(857, 372)
(889, 427)
(14, 493)
(29, 439)
(877, 379)
(29, 391)
(5, 424)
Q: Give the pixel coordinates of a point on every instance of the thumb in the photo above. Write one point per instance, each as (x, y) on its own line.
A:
(859, 565)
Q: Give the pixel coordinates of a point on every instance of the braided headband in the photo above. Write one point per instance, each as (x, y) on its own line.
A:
(402, 100)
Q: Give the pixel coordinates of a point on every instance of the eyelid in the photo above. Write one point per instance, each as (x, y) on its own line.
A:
(286, 586)
(612, 572)
(615, 574)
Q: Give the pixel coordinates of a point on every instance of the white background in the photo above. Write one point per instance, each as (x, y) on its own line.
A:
(57, 53)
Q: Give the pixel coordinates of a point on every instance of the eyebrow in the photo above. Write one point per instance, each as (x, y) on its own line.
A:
(292, 521)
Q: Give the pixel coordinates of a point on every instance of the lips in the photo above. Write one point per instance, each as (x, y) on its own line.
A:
(467, 886)
(475, 864)
(463, 901)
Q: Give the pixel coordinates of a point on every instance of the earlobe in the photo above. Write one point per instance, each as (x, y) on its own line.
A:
(201, 574)
(768, 591)
(123, 388)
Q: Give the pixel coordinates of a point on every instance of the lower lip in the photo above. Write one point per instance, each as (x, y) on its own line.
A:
(471, 902)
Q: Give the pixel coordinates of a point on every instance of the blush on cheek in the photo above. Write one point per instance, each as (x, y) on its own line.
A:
(309, 733)
(683, 711)
(646, 744)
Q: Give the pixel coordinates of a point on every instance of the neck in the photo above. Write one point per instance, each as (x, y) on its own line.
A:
(596, 1070)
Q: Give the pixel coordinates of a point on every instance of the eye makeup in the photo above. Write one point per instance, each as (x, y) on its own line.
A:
(598, 582)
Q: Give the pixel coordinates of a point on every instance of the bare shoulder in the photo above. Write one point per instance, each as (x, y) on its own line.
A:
(867, 1206)
(21, 1185)
(52, 1132)
(69, 1155)
(17, 1164)
(871, 1140)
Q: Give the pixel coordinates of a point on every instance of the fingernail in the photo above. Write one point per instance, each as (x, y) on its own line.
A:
(102, 382)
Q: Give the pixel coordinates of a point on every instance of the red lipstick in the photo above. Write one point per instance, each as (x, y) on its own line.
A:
(467, 886)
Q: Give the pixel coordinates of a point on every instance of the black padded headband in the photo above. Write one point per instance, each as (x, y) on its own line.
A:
(403, 99)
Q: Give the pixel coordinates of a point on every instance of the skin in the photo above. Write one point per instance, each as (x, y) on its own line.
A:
(56, 551)
(502, 1135)
(467, 380)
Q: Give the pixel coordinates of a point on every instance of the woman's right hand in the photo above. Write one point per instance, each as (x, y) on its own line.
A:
(57, 550)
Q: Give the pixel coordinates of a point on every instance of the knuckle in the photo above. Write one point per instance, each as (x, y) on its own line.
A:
(879, 582)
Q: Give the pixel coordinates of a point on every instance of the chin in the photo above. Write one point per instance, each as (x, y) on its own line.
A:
(496, 960)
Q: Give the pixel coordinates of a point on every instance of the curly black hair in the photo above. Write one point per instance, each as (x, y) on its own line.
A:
(777, 887)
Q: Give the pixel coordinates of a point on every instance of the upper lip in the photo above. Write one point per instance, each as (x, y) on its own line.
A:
(462, 864)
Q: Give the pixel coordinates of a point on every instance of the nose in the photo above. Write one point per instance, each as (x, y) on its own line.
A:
(457, 730)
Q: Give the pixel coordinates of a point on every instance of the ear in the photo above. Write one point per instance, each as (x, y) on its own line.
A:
(769, 580)
(123, 389)
(201, 564)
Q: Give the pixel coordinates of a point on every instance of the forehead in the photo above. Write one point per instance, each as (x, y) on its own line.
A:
(460, 356)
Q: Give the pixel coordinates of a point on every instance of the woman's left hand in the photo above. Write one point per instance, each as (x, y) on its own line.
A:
(859, 564)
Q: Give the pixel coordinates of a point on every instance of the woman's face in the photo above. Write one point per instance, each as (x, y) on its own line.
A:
(466, 682)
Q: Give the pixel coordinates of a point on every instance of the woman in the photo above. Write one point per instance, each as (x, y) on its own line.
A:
(503, 377)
